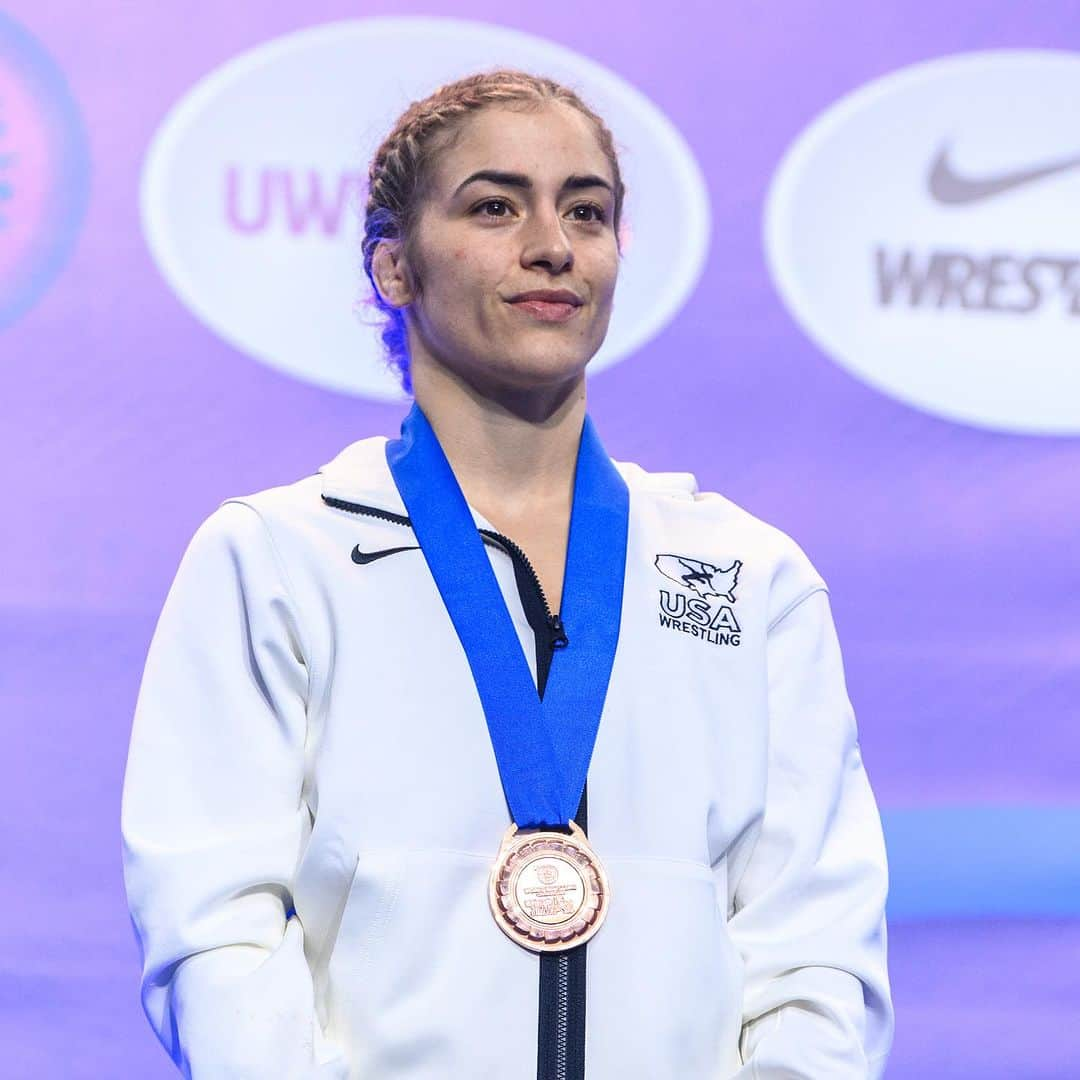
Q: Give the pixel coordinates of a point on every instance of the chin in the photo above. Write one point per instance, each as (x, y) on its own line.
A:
(540, 370)
(545, 357)
(536, 364)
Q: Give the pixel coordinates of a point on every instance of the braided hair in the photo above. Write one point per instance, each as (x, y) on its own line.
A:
(401, 170)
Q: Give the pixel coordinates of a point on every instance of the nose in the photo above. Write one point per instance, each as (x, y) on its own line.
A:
(546, 243)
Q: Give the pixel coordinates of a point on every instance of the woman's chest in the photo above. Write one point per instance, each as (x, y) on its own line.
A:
(402, 752)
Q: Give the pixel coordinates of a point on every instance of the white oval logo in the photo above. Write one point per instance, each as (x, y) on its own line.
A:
(253, 187)
(924, 232)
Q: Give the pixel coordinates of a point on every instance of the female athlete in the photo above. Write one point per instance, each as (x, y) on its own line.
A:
(477, 754)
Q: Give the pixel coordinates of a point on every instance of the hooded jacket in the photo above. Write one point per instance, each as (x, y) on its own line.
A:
(312, 806)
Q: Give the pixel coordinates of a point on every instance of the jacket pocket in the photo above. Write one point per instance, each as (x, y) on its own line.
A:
(664, 981)
(420, 967)
(368, 907)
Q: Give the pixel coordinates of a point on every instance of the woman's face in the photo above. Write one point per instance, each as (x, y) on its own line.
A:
(480, 241)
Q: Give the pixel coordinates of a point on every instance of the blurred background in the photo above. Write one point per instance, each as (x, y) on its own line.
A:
(849, 301)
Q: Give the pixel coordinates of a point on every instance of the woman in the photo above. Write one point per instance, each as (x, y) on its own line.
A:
(367, 714)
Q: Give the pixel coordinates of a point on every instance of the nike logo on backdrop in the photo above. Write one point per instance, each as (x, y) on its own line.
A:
(952, 189)
(364, 557)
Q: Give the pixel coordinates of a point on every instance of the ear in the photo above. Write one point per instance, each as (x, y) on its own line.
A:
(390, 270)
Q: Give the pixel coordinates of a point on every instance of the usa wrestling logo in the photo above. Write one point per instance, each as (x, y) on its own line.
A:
(704, 610)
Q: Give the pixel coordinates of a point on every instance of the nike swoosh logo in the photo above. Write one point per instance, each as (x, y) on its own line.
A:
(949, 187)
(365, 557)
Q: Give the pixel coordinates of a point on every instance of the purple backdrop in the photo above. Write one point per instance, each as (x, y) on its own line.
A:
(950, 551)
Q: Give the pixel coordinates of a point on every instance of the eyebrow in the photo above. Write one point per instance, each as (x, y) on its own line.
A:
(520, 180)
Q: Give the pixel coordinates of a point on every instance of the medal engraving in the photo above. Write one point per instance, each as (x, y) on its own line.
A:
(547, 890)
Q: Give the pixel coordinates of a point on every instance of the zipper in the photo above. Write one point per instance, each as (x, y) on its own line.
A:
(554, 623)
(562, 1012)
(560, 1050)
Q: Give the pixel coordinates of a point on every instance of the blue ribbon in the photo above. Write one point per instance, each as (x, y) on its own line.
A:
(542, 747)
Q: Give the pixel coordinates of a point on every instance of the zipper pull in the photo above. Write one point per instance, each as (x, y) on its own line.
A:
(559, 640)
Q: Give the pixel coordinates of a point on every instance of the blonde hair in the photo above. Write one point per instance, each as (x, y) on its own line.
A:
(401, 170)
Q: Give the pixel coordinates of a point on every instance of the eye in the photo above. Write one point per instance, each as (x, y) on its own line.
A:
(491, 202)
(599, 210)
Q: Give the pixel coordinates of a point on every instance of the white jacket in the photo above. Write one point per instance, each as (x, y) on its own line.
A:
(312, 807)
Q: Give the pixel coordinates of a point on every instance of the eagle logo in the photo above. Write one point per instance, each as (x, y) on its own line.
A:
(703, 578)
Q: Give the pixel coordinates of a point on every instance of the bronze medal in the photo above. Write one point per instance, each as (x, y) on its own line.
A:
(548, 890)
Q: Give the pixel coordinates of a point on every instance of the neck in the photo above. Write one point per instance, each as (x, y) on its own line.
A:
(511, 449)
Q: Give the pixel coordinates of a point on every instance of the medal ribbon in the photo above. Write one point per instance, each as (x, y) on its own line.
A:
(542, 747)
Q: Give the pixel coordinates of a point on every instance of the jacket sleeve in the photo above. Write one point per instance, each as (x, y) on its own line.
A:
(809, 906)
(213, 817)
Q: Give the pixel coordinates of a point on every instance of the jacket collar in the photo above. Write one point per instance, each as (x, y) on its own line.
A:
(360, 474)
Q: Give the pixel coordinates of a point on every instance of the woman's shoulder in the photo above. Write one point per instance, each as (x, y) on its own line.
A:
(356, 473)
(711, 521)
(678, 493)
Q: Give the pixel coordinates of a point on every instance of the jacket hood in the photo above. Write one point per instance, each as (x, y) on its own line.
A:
(360, 474)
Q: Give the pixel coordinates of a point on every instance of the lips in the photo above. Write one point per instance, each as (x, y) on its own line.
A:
(547, 305)
(549, 296)
(546, 311)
